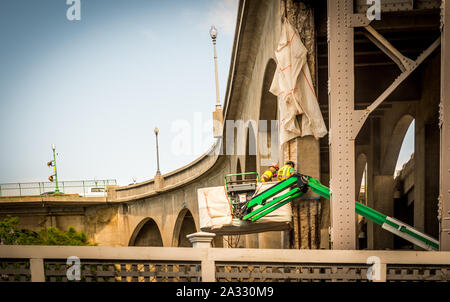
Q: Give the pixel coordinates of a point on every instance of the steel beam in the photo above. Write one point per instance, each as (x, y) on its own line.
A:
(444, 185)
(341, 104)
(403, 62)
(360, 116)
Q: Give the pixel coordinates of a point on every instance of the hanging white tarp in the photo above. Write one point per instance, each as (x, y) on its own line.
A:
(293, 86)
(215, 214)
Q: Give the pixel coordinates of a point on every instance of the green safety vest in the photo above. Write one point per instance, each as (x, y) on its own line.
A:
(285, 172)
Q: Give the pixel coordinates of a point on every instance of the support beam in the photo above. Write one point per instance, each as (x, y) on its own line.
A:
(341, 104)
(444, 185)
(360, 116)
(402, 62)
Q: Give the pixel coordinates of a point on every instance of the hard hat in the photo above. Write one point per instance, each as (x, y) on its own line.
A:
(290, 163)
(275, 165)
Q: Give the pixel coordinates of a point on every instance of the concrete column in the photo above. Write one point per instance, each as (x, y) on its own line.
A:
(123, 228)
(383, 190)
(419, 173)
(372, 166)
(201, 239)
(444, 187)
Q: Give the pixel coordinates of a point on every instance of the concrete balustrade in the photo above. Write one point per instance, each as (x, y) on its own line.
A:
(211, 258)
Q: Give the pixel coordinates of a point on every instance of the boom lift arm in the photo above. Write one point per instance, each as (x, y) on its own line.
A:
(298, 184)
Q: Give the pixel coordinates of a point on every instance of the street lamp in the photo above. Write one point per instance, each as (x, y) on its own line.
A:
(213, 34)
(217, 114)
(157, 151)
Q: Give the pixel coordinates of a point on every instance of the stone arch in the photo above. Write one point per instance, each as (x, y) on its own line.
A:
(184, 225)
(395, 143)
(268, 111)
(146, 233)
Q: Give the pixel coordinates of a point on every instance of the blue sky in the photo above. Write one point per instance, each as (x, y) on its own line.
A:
(97, 87)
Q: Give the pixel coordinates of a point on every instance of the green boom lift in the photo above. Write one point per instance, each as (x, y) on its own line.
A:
(254, 207)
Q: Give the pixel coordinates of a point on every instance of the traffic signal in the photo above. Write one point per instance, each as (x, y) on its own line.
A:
(51, 164)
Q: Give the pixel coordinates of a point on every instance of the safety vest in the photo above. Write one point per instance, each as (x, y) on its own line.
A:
(268, 175)
(285, 172)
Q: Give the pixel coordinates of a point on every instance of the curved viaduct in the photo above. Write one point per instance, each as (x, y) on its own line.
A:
(172, 210)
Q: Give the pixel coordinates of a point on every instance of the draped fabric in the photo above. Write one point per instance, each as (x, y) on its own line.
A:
(293, 86)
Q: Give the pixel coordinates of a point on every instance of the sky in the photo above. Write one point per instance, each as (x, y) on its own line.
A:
(97, 87)
(407, 147)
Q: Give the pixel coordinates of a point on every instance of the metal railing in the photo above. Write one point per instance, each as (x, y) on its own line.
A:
(82, 188)
(150, 264)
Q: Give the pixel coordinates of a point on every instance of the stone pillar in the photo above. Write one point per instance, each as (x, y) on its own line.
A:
(123, 228)
(383, 195)
(304, 151)
(380, 191)
(204, 240)
(159, 182)
(201, 239)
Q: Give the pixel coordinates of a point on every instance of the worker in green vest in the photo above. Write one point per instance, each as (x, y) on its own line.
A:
(286, 171)
(270, 174)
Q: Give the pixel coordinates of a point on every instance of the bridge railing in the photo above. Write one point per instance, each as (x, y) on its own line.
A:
(153, 264)
(81, 187)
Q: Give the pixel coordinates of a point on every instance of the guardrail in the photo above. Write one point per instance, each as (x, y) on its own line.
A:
(81, 187)
(152, 264)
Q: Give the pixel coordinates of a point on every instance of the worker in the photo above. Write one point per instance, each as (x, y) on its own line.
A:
(270, 173)
(286, 171)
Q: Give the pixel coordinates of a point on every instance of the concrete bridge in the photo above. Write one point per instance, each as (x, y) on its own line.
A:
(161, 212)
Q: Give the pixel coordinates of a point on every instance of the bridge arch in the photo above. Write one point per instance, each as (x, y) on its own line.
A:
(146, 233)
(184, 225)
(268, 112)
(395, 143)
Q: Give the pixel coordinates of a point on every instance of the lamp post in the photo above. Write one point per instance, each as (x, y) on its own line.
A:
(213, 34)
(217, 114)
(157, 151)
(54, 169)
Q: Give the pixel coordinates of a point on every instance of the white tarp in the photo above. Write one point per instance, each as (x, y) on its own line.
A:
(293, 86)
(216, 215)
